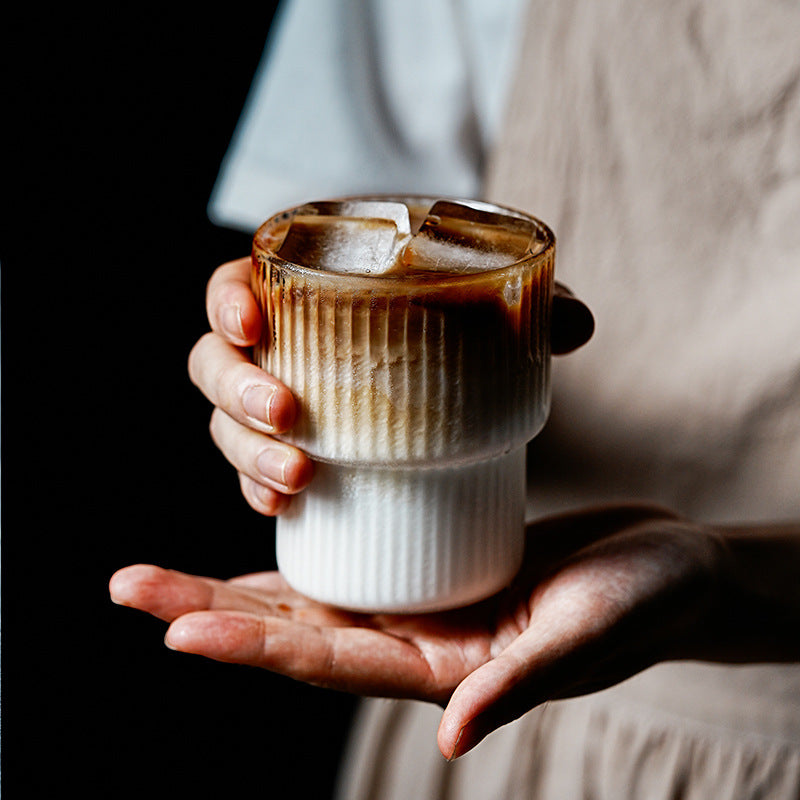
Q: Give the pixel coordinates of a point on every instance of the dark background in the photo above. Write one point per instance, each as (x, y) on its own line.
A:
(115, 123)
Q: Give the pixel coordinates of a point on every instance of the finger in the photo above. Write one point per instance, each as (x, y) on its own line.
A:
(572, 323)
(358, 660)
(231, 307)
(168, 594)
(263, 499)
(537, 666)
(472, 712)
(233, 383)
(579, 637)
(265, 461)
(527, 675)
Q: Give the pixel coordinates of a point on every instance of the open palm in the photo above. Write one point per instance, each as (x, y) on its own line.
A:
(602, 594)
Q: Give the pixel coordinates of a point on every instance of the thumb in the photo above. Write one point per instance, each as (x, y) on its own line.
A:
(550, 659)
(572, 323)
(496, 693)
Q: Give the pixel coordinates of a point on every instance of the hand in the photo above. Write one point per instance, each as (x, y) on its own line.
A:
(572, 322)
(250, 405)
(603, 593)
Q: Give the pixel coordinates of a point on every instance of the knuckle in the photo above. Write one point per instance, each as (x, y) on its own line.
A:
(196, 356)
(229, 383)
(227, 281)
(217, 425)
(213, 425)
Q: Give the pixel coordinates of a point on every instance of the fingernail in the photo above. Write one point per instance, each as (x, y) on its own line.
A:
(271, 463)
(455, 754)
(470, 735)
(231, 318)
(257, 401)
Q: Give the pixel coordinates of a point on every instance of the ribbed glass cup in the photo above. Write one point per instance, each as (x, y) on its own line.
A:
(417, 395)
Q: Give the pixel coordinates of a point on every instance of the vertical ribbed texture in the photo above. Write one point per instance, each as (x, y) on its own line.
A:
(411, 379)
(406, 540)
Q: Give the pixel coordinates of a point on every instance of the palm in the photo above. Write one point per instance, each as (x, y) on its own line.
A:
(596, 600)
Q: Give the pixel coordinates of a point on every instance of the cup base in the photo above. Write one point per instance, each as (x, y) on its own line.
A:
(405, 540)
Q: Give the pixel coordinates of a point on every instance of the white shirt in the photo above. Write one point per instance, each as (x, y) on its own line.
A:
(353, 96)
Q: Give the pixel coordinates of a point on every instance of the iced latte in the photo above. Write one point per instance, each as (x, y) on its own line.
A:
(414, 334)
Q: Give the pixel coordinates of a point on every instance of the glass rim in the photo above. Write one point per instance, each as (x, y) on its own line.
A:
(419, 280)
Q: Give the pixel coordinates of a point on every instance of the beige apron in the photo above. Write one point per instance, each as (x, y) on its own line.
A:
(661, 140)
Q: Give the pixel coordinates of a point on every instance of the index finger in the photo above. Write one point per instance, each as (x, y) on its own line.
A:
(231, 307)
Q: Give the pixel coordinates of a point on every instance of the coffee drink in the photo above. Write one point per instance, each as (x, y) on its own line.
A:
(414, 334)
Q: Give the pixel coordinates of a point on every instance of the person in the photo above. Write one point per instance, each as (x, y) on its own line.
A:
(649, 646)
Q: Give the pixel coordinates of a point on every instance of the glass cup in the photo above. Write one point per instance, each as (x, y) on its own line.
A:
(418, 388)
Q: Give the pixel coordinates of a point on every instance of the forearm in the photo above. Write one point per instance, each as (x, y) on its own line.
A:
(759, 601)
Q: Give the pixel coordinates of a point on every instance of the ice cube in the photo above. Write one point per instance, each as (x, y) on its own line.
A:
(349, 236)
(455, 237)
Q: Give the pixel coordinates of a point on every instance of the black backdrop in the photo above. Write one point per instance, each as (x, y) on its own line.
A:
(115, 123)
